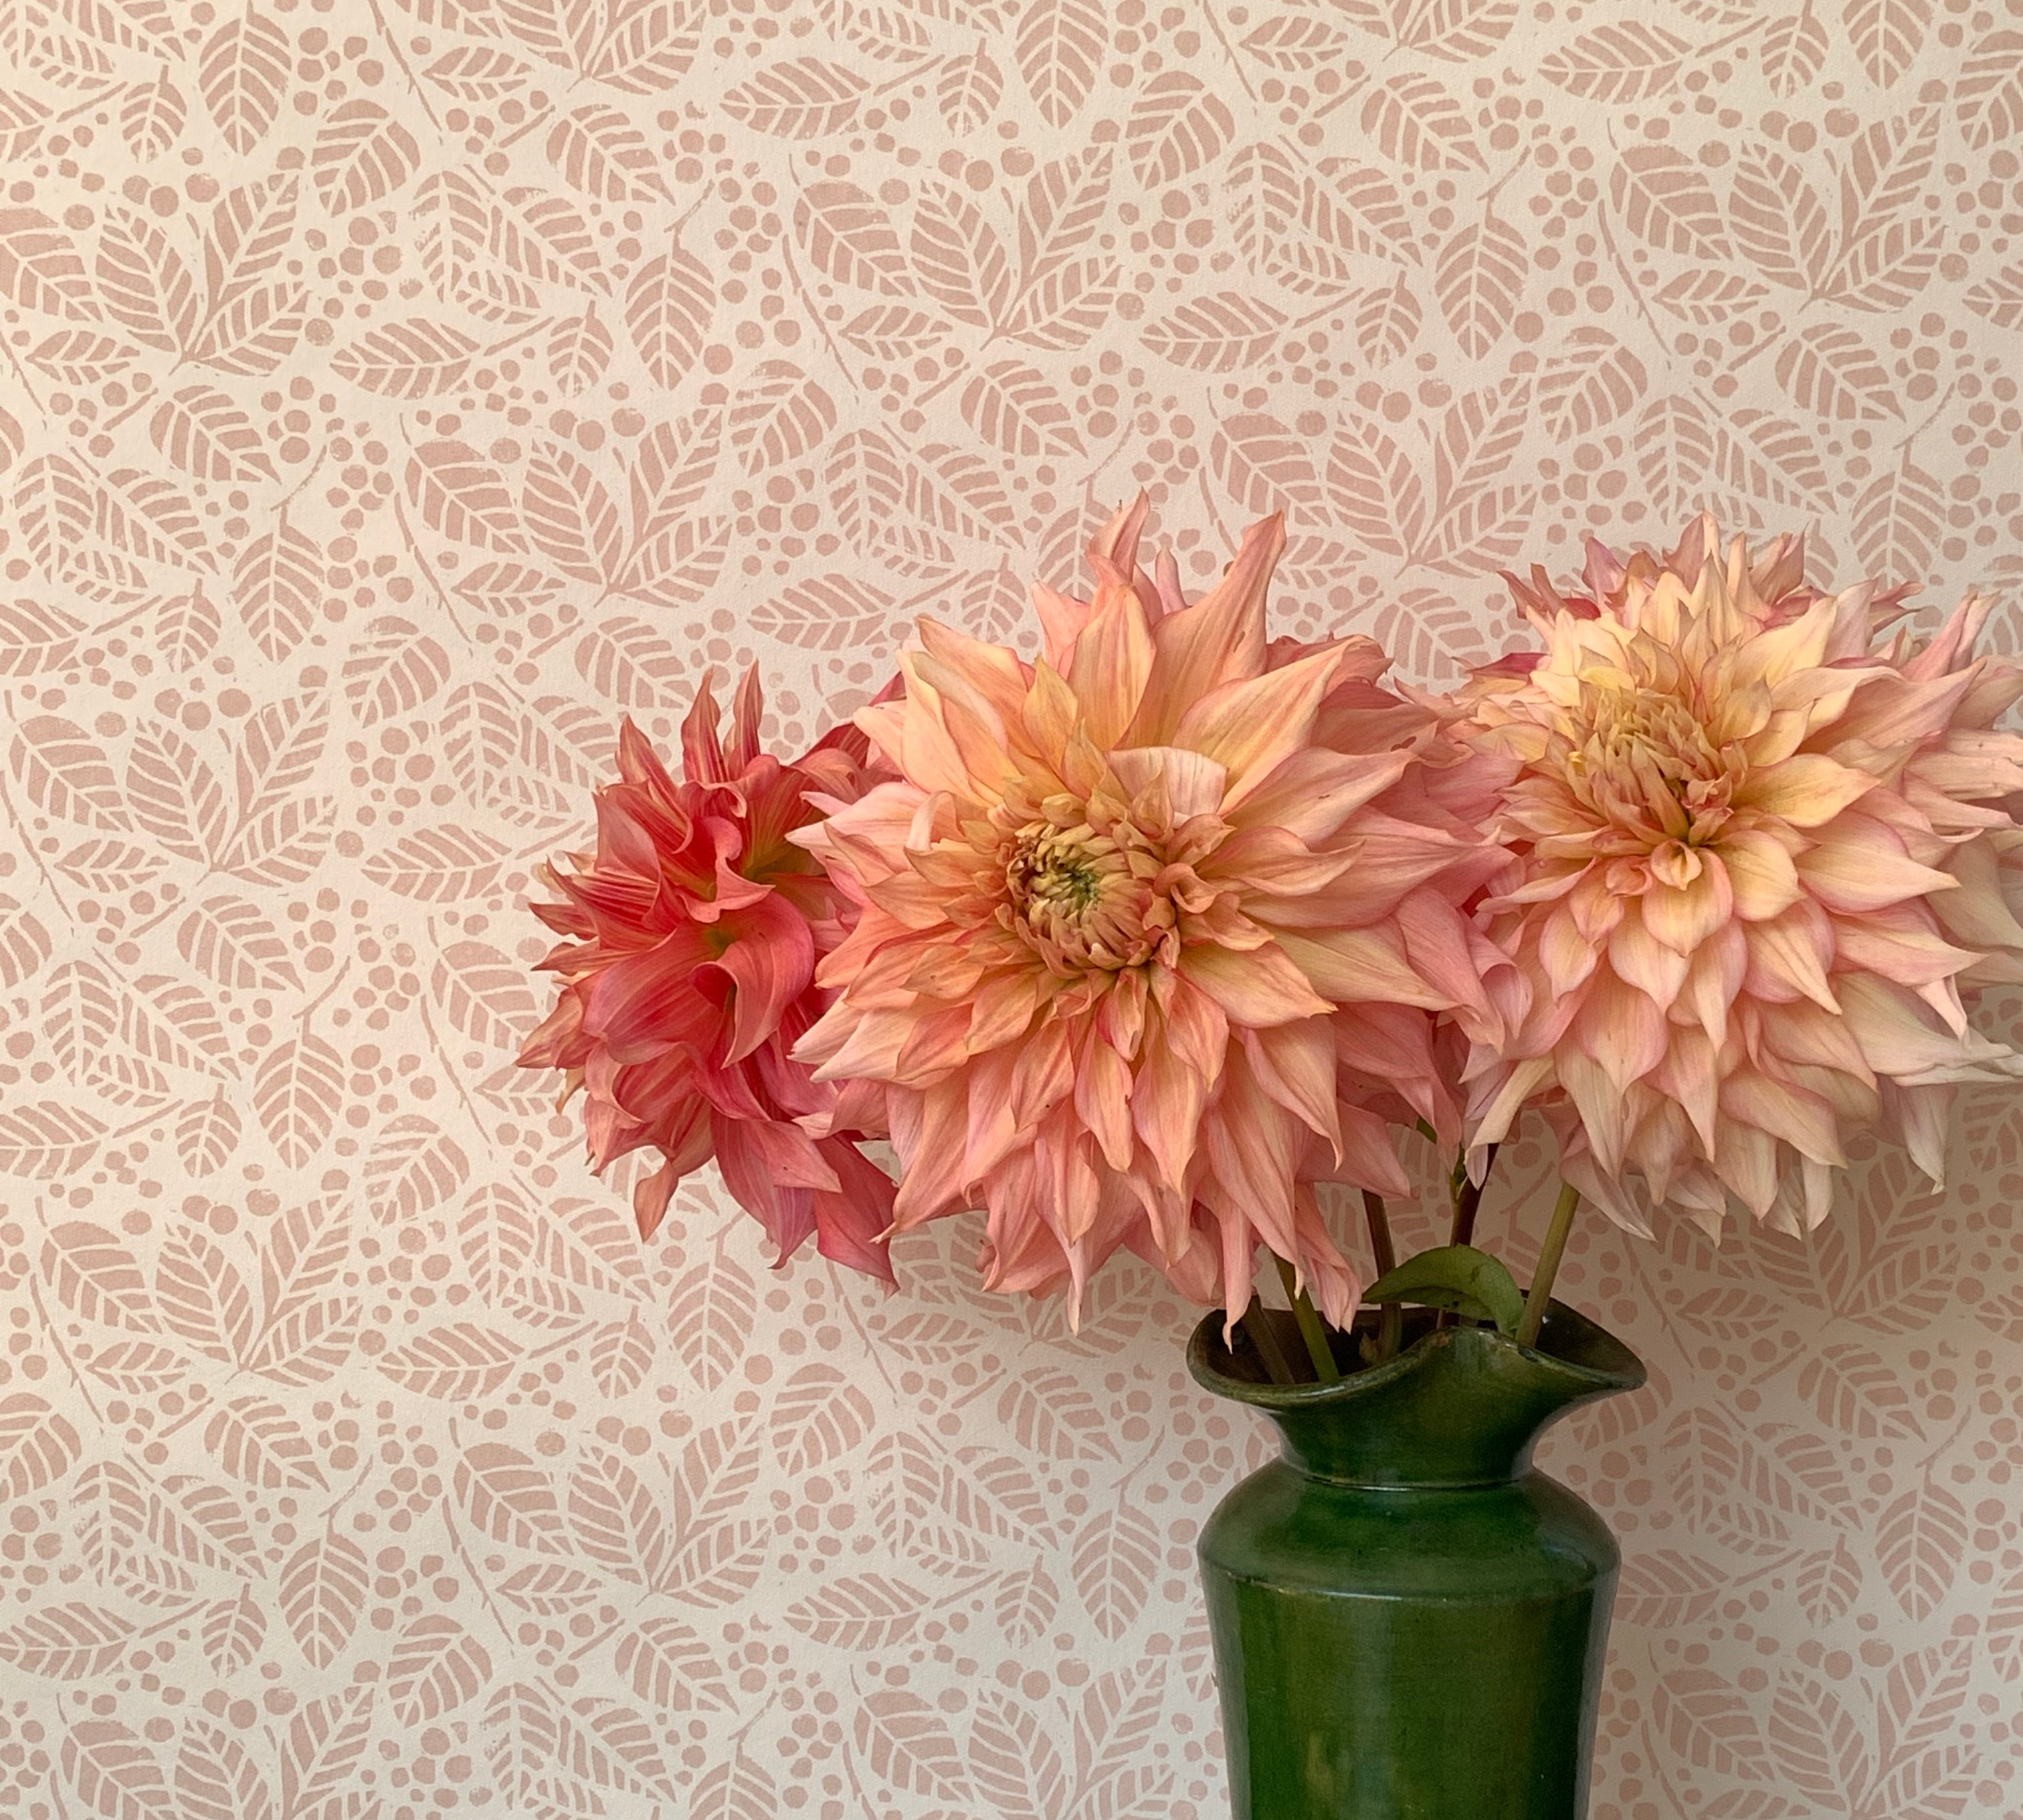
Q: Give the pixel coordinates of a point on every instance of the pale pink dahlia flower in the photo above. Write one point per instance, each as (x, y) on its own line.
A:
(1759, 855)
(688, 962)
(1141, 921)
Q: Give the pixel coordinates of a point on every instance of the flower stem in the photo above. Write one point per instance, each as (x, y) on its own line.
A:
(1548, 1265)
(1312, 1331)
(1258, 1328)
(1468, 1196)
(1391, 1319)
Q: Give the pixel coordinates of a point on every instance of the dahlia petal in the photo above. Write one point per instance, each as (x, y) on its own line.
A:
(650, 1196)
(1219, 639)
(1860, 865)
(1196, 1029)
(1747, 1163)
(1195, 783)
(1569, 957)
(1760, 870)
(1112, 662)
(1358, 965)
(1622, 1028)
(1638, 957)
(928, 1129)
(1062, 618)
(1802, 1120)
(850, 1222)
(1789, 956)
(1295, 1065)
(1103, 1099)
(638, 1006)
(1312, 793)
(1261, 987)
(1167, 1098)
(769, 962)
(1689, 1073)
(1252, 724)
(1683, 918)
(702, 750)
(1599, 1100)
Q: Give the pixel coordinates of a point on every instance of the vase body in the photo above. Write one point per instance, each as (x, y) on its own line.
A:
(1409, 1620)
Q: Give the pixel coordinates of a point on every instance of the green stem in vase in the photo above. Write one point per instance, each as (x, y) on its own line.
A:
(1391, 1318)
(1312, 1330)
(1548, 1265)
(1256, 1323)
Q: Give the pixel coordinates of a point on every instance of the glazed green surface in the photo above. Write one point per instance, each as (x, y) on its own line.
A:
(1409, 1622)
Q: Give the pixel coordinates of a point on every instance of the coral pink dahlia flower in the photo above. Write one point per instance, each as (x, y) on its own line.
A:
(1759, 855)
(688, 962)
(1137, 920)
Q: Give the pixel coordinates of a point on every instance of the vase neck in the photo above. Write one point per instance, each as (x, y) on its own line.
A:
(1462, 1406)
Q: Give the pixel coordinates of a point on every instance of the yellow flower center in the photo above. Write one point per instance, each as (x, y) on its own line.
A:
(1643, 763)
(1082, 898)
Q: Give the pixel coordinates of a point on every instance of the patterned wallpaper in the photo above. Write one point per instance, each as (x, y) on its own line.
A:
(395, 391)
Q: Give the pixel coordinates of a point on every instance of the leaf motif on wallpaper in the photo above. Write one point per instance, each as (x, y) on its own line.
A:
(1049, 1412)
(1264, 466)
(1480, 277)
(1819, 1746)
(231, 1633)
(928, 1338)
(797, 98)
(1414, 122)
(615, 1518)
(1858, 1394)
(297, 1092)
(1295, 40)
(578, 352)
(69, 1642)
(509, 1497)
(361, 156)
(649, 45)
(1217, 334)
(1456, 30)
(64, 771)
(216, 1778)
(39, 266)
(439, 864)
(113, 1770)
(258, 1440)
(24, 943)
(453, 1363)
(47, 1139)
(462, 496)
(1921, 1539)
(322, 1588)
(1373, 489)
(737, 1790)
(22, 119)
(817, 1416)
(1016, 1767)
(779, 416)
(1923, 1697)
(1666, 1589)
(1898, 520)
(1664, 196)
(477, 72)
(144, 283)
(669, 1665)
(1064, 211)
(848, 236)
(1887, 35)
(1118, 1714)
(621, 1356)
(202, 1296)
(1779, 221)
(1709, 1723)
(94, 1275)
(1025, 1603)
(36, 637)
(549, 1589)
(242, 70)
(907, 1742)
(320, 1752)
(1116, 1562)
(957, 258)
(436, 1666)
(1987, 93)
(1616, 65)
(570, 517)
(2002, 1632)
(868, 1611)
(38, 1444)
(630, 664)
(598, 151)
(415, 359)
(1059, 50)
(1176, 125)
(1016, 407)
(206, 434)
(484, 994)
(968, 90)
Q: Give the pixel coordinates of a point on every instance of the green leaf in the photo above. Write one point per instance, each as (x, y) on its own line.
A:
(1456, 1277)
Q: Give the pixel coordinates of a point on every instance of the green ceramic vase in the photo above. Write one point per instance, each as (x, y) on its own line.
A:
(1409, 1620)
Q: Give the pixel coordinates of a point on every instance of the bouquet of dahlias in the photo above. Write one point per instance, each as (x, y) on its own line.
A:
(1135, 944)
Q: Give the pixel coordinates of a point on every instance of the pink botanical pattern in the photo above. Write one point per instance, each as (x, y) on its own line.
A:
(397, 396)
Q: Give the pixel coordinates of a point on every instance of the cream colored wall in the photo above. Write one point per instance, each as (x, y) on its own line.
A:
(506, 360)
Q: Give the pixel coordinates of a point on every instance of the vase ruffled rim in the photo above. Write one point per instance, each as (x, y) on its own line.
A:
(1585, 1357)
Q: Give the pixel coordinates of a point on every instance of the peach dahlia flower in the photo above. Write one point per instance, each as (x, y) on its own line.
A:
(1146, 926)
(1760, 854)
(690, 939)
